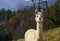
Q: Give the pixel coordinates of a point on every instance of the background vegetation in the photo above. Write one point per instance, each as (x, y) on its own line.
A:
(13, 24)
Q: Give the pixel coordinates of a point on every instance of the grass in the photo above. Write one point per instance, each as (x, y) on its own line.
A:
(51, 35)
(20, 40)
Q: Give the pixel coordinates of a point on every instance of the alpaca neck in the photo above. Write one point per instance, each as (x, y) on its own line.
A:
(39, 28)
(40, 33)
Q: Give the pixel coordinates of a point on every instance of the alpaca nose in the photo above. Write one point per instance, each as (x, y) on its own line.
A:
(40, 18)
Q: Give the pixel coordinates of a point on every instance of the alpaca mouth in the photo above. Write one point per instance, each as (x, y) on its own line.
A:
(39, 18)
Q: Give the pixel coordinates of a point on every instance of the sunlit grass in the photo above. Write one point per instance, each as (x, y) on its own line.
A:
(53, 34)
(20, 40)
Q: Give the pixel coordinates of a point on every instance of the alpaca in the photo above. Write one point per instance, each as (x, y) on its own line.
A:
(38, 34)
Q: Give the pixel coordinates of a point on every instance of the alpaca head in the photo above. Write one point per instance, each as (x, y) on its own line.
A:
(38, 16)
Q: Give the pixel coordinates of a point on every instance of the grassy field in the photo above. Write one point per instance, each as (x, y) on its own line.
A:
(51, 35)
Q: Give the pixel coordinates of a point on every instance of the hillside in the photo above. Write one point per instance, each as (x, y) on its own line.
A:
(52, 35)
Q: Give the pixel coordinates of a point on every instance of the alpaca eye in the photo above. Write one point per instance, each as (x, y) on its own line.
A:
(41, 15)
(37, 16)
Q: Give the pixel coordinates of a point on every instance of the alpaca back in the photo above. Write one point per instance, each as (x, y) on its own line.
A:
(30, 35)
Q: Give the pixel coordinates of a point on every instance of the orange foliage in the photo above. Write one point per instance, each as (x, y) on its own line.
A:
(15, 20)
(32, 17)
(18, 16)
(45, 13)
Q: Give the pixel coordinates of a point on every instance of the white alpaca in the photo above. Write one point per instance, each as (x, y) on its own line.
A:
(36, 35)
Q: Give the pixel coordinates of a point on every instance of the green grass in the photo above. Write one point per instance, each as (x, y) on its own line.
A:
(51, 35)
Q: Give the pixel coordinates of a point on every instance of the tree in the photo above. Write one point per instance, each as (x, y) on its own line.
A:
(39, 5)
(2, 14)
(8, 14)
(57, 11)
(47, 7)
(33, 4)
(54, 13)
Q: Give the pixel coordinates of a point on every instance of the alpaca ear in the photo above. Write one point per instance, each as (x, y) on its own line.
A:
(36, 11)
